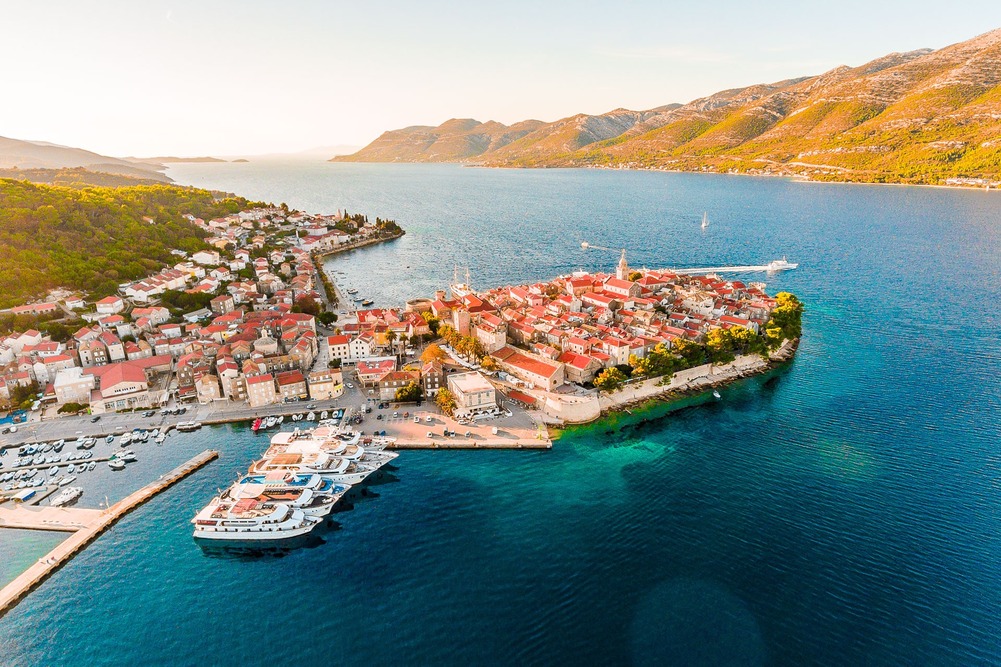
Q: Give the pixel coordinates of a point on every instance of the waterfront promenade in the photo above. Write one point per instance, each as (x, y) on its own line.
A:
(91, 524)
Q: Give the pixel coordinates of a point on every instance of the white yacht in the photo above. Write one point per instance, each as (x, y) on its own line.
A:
(66, 496)
(251, 519)
(780, 265)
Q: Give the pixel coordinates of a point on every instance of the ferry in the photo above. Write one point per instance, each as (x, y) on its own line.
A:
(66, 496)
(251, 519)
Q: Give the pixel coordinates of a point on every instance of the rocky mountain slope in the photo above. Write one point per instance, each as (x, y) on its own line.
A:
(919, 117)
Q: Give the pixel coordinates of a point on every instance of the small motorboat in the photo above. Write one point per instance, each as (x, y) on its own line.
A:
(716, 394)
(116, 464)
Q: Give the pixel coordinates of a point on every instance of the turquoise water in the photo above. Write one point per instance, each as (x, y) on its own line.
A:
(844, 510)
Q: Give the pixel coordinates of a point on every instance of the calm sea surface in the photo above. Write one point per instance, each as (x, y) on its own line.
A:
(845, 510)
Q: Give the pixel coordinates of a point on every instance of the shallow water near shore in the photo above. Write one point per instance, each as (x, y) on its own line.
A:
(844, 509)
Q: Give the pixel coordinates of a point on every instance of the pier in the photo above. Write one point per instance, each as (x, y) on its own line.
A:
(86, 525)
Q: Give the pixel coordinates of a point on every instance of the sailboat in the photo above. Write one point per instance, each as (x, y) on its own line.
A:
(705, 220)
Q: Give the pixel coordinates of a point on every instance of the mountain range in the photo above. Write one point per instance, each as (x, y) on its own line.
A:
(925, 116)
(18, 154)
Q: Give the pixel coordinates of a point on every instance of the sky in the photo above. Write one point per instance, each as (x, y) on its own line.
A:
(214, 77)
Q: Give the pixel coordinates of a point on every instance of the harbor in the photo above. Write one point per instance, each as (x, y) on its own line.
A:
(86, 525)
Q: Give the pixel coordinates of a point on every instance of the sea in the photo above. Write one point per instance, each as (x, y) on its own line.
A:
(844, 509)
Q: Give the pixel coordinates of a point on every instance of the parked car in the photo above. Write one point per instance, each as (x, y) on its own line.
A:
(430, 434)
(417, 420)
(95, 419)
(428, 419)
(379, 416)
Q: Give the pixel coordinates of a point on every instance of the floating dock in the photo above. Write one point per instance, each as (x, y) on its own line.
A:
(92, 526)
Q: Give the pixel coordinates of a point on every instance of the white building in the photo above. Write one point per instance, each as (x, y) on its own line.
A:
(72, 386)
(473, 394)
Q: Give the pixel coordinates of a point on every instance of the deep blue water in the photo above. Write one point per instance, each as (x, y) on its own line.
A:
(844, 511)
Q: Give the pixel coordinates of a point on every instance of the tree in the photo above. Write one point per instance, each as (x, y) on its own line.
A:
(306, 304)
(433, 322)
(334, 363)
(72, 408)
(786, 321)
(658, 362)
(610, 380)
(20, 394)
(719, 346)
(327, 318)
(411, 393)
(635, 275)
(690, 354)
(445, 400)
(433, 353)
(489, 363)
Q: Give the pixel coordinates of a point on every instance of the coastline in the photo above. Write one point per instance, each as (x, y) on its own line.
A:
(359, 244)
(795, 178)
(683, 384)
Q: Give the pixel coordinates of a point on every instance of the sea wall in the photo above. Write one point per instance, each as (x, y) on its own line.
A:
(572, 409)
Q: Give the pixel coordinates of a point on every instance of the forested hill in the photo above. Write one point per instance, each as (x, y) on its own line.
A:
(92, 239)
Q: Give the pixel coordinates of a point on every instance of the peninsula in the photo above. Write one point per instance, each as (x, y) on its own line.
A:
(922, 117)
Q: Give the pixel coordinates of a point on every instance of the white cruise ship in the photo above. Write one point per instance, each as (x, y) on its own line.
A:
(304, 500)
(251, 519)
(325, 440)
(340, 470)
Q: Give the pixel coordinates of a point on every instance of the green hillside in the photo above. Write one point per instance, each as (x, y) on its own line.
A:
(94, 238)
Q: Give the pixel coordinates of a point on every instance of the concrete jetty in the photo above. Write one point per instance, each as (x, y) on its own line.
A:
(93, 526)
(36, 517)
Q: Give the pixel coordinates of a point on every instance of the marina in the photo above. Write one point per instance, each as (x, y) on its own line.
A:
(86, 525)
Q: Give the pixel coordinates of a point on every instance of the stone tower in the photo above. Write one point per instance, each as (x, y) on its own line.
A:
(622, 271)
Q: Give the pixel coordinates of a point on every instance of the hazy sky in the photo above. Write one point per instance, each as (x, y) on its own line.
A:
(211, 77)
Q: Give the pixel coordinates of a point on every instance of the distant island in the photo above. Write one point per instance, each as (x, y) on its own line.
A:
(922, 117)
